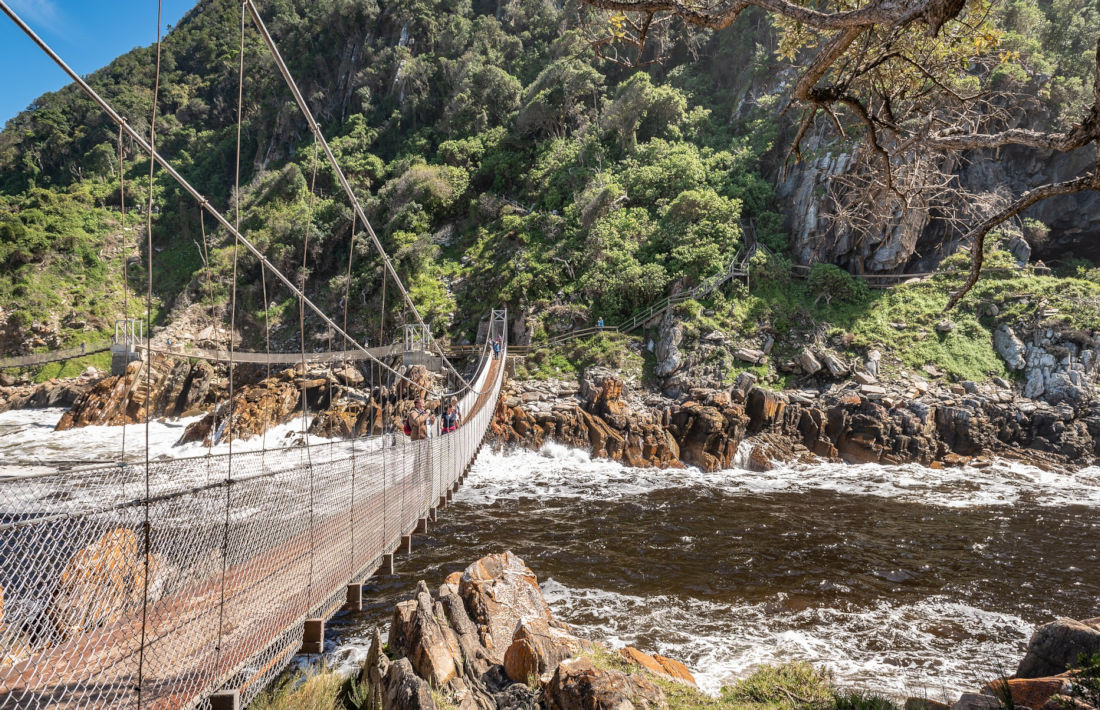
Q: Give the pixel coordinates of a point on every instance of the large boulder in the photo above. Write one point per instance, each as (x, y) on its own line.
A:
(538, 647)
(500, 591)
(101, 583)
(1054, 647)
(578, 685)
(1009, 347)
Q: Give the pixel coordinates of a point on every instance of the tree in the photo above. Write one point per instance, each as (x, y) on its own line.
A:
(913, 79)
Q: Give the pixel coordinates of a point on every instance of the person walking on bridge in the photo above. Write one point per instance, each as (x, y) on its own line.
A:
(418, 420)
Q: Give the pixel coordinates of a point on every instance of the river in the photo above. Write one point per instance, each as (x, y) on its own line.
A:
(900, 579)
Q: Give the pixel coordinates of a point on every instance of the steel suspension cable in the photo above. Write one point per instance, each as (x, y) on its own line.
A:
(125, 277)
(146, 534)
(302, 339)
(319, 136)
(187, 186)
(232, 331)
(355, 422)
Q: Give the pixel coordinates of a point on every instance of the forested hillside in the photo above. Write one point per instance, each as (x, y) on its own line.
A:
(500, 160)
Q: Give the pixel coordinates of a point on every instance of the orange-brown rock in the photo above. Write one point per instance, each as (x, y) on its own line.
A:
(578, 685)
(254, 409)
(1029, 692)
(538, 646)
(101, 583)
(166, 387)
(657, 664)
(640, 658)
(764, 408)
(675, 669)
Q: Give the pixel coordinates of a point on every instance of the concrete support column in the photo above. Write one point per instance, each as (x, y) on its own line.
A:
(313, 636)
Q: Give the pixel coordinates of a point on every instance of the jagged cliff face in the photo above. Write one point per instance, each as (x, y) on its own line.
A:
(917, 240)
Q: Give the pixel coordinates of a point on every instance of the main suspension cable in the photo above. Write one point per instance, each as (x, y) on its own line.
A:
(149, 361)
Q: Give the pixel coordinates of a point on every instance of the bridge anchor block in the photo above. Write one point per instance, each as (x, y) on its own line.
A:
(313, 636)
(407, 544)
(422, 525)
(387, 563)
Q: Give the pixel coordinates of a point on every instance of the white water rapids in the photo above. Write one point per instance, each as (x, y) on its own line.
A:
(901, 579)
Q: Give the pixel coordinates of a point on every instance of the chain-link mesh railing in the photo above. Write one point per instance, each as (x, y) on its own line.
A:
(96, 611)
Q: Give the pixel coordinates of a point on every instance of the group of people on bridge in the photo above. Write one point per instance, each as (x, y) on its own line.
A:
(420, 421)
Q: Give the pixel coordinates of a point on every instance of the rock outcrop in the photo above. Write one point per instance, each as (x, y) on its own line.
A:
(162, 387)
(487, 640)
(907, 421)
(101, 583)
(1055, 647)
(52, 393)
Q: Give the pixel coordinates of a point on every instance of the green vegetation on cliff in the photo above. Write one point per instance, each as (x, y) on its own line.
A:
(502, 164)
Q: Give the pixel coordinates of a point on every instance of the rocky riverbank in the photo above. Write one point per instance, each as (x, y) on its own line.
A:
(855, 419)
(840, 411)
(488, 640)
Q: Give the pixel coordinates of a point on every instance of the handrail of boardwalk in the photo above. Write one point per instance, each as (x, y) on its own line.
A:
(55, 355)
(243, 550)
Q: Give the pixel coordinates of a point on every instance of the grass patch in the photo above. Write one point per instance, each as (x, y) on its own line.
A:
(785, 686)
(901, 321)
(570, 358)
(72, 368)
(318, 689)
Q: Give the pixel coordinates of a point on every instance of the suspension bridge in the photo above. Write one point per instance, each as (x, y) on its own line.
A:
(191, 582)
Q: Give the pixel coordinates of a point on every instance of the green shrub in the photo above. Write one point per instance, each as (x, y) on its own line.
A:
(832, 283)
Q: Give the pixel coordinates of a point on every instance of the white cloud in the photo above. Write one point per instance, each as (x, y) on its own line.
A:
(40, 14)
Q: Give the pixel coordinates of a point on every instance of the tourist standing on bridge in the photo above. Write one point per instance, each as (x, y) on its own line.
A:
(498, 343)
(450, 418)
(418, 420)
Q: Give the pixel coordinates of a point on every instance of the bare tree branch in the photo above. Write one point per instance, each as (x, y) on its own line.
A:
(1091, 181)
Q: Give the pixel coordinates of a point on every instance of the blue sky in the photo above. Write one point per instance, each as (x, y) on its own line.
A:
(87, 34)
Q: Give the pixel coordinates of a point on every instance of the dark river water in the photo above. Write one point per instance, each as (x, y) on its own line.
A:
(901, 579)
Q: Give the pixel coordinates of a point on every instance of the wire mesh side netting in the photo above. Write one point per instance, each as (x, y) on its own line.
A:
(234, 566)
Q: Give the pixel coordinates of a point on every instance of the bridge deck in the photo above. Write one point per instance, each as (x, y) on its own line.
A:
(293, 528)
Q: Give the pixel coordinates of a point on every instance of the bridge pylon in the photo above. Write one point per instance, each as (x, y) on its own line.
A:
(129, 333)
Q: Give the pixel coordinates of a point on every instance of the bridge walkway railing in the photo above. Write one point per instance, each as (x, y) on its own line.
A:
(243, 550)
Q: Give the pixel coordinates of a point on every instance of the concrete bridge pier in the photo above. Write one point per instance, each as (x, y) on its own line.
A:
(313, 636)
(422, 525)
(354, 600)
(387, 563)
(225, 700)
(407, 544)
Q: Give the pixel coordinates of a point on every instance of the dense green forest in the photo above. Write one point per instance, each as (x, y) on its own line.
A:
(500, 161)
